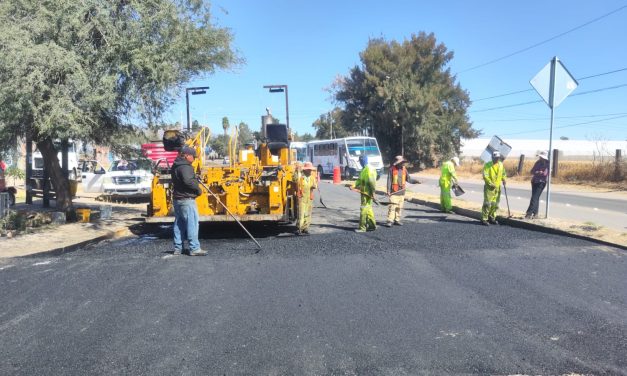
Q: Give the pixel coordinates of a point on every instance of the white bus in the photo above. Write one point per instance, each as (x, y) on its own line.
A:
(345, 153)
(301, 150)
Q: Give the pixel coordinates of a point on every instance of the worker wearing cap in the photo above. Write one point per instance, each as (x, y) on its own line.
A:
(185, 190)
(539, 175)
(493, 176)
(397, 179)
(306, 183)
(366, 184)
(447, 179)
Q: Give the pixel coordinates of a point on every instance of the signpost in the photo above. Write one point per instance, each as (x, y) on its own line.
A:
(554, 83)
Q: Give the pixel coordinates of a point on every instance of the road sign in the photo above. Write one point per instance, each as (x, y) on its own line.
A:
(496, 144)
(563, 83)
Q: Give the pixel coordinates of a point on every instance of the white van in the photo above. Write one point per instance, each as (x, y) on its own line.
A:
(345, 153)
(72, 161)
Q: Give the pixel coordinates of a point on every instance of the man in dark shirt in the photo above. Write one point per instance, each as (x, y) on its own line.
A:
(539, 174)
(186, 189)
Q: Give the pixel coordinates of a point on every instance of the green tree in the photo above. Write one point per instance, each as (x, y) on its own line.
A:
(82, 69)
(245, 135)
(219, 144)
(195, 126)
(305, 137)
(330, 125)
(405, 95)
(225, 125)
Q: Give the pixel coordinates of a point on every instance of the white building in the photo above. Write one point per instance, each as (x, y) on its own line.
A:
(568, 149)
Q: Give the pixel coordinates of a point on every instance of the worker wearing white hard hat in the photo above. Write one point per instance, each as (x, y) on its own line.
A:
(493, 176)
(448, 178)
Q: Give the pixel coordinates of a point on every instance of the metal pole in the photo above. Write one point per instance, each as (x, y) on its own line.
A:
(29, 170)
(187, 108)
(551, 102)
(287, 109)
(402, 142)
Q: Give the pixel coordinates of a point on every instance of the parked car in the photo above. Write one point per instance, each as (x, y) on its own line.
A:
(132, 178)
(125, 178)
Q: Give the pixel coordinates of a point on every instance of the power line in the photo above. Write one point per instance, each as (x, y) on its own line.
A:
(537, 101)
(567, 126)
(557, 117)
(544, 41)
(602, 74)
(526, 90)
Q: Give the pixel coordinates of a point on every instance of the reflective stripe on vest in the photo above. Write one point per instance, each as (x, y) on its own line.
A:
(395, 186)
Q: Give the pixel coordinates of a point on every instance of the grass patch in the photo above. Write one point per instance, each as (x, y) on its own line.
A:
(605, 174)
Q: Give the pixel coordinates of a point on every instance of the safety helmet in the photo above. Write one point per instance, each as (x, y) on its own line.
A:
(496, 154)
(455, 160)
(363, 159)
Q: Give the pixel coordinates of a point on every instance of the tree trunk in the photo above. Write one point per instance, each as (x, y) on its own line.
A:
(59, 182)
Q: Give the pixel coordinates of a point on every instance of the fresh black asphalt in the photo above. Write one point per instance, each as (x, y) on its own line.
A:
(439, 295)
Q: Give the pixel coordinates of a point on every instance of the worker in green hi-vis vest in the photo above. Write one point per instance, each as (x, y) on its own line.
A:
(493, 176)
(447, 179)
(366, 184)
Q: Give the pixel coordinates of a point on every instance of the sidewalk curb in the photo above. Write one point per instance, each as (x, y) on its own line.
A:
(118, 233)
(516, 223)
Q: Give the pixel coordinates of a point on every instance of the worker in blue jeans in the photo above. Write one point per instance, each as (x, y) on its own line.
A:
(185, 191)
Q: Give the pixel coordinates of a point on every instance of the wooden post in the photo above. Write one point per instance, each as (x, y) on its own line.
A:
(521, 162)
(618, 173)
(555, 162)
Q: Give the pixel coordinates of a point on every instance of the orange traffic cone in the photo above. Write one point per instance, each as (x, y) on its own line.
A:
(337, 179)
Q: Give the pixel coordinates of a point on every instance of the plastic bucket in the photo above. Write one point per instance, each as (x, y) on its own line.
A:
(105, 212)
(82, 214)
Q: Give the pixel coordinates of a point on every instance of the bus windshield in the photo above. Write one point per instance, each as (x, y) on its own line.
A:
(363, 146)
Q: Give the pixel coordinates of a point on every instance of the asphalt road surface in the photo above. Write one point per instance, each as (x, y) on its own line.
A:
(605, 209)
(439, 295)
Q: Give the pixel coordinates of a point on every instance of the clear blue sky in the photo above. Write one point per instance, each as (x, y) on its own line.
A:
(306, 44)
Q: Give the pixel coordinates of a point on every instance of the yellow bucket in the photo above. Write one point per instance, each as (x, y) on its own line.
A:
(82, 214)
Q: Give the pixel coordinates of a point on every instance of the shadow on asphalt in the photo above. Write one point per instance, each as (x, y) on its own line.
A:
(342, 228)
(216, 230)
(421, 210)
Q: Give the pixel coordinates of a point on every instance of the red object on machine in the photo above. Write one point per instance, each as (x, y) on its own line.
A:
(155, 152)
(337, 176)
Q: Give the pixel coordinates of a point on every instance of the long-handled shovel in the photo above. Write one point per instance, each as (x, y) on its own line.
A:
(320, 197)
(509, 214)
(374, 199)
(228, 211)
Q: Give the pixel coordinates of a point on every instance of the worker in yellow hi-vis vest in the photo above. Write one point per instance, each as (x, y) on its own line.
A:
(447, 179)
(306, 183)
(493, 176)
(366, 184)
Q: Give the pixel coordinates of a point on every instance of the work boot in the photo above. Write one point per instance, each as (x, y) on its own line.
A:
(484, 222)
(398, 223)
(360, 230)
(176, 252)
(388, 224)
(198, 252)
(493, 221)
